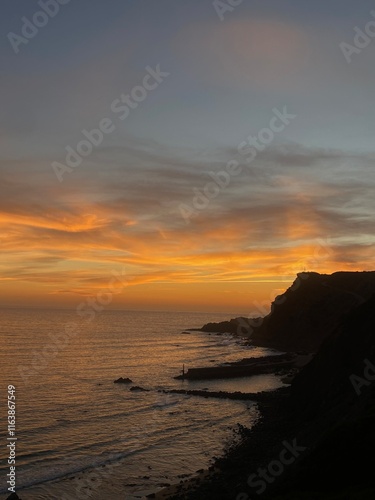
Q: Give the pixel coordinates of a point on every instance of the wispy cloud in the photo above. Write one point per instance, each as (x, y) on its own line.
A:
(266, 224)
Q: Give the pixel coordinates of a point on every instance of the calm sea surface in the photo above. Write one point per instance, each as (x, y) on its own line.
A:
(72, 418)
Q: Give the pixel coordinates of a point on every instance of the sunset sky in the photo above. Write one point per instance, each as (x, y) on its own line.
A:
(305, 202)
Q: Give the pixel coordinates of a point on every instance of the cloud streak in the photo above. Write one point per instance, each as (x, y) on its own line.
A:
(269, 223)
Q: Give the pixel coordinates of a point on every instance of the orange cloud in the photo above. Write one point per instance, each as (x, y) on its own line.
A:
(60, 245)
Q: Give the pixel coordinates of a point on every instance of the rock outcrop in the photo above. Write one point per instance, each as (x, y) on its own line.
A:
(14, 496)
(123, 381)
(329, 411)
(344, 367)
(306, 314)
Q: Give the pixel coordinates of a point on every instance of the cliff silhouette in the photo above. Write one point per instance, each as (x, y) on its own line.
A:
(329, 409)
(334, 400)
(306, 313)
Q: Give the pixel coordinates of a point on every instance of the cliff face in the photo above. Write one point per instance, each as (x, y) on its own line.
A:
(307, 313)
(331, 411)
(344, 367)
(335, 398)
(333, 401)
(311, 308)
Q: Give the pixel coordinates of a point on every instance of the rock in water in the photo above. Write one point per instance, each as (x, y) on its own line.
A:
(123, 381)
(14, 496)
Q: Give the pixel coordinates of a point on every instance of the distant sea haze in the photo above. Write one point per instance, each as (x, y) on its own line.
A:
(71, 417)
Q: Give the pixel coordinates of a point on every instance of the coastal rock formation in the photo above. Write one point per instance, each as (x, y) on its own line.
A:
(242, 368)
(123, 381)
(335, 398)
(230, 326)
(306, 314)
(344, 366)
(329, 413)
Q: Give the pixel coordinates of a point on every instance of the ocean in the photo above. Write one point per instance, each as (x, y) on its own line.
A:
(80, 433)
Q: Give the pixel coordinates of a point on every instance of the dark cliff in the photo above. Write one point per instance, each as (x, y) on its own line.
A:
(329, 410)
(307, 313)
(334, 396)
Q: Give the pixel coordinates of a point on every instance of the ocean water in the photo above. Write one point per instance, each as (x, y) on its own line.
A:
(73, 421)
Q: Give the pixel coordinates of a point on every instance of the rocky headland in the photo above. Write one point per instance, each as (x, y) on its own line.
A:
(325, 421)
(306, 313)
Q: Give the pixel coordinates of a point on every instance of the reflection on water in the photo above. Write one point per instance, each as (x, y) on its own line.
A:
(71, 417)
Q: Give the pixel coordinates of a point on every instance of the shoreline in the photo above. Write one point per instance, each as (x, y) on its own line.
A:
(228, 470)
(62, 486)
(274, 423)
(98, 481)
